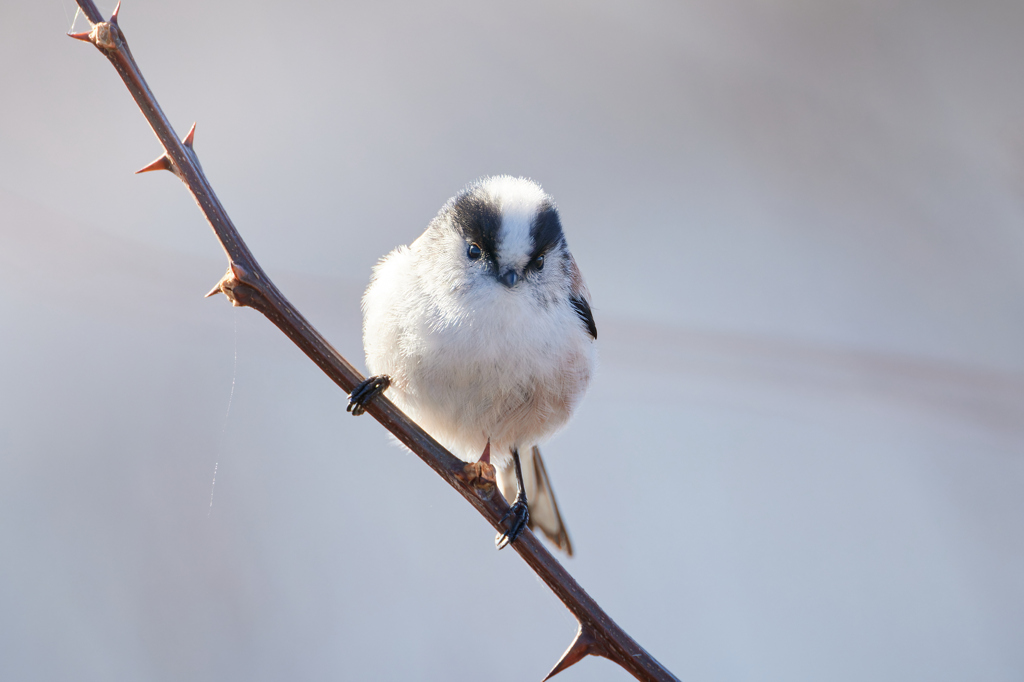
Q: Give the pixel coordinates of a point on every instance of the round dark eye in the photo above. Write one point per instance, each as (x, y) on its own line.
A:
(538, 263)
(474, 252)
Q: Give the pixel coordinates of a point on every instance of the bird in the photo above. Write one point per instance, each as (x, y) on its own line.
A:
(481, 330)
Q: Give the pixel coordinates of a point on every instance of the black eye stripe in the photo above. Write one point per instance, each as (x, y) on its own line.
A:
(477, 220)
(546, 231)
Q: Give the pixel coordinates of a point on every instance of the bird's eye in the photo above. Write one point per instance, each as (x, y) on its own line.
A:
(538, 263)
(474, 252)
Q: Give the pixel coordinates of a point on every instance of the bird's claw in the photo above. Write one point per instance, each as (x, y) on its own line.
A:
(519, 512)
(363, 394)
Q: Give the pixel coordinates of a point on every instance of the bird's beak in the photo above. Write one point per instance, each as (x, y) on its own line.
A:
(509, 278)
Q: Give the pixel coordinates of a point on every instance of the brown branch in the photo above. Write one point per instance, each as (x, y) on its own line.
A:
(246, 284)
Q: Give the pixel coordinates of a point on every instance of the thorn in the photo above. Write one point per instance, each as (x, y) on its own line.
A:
(162, 163)
(235, 276)
(584, 645)
(113, 17)
(84, 36)
(239, 271)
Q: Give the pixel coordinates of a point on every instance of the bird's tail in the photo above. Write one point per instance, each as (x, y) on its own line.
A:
(544, 514)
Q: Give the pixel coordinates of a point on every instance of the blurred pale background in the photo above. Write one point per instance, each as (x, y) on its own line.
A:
(803, 226)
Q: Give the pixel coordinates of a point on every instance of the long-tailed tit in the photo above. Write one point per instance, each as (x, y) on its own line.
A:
(483, 331)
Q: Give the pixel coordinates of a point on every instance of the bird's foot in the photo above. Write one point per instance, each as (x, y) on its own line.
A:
(363, 394)
(519, 513)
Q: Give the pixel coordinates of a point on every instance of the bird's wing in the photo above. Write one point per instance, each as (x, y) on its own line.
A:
(579, 298)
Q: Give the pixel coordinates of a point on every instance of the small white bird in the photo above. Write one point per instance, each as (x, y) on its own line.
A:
(483, 331)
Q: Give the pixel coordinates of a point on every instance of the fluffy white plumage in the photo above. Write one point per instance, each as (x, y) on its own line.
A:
(495, 348)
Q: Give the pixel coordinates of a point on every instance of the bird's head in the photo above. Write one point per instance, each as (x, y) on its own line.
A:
(500, 234)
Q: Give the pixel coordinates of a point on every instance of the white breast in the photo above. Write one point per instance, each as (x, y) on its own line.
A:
(468, 366)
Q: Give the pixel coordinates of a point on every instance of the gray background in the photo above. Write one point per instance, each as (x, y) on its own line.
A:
(803, 227)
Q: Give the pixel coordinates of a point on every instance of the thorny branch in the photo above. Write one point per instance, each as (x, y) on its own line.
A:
(246, 284)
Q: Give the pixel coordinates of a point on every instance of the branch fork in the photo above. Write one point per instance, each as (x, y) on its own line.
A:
(245, 284)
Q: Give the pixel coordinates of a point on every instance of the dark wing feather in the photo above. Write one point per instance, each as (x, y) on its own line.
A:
(582, 308)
